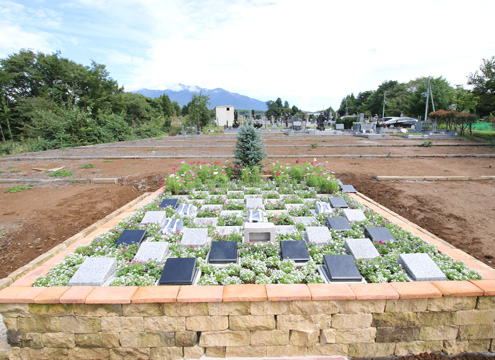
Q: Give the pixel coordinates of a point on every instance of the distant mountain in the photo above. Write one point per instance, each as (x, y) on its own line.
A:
(183, 94)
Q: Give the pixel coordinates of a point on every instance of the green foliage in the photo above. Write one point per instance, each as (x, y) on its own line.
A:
(249, 150)
(60, 173)
(197, 110)
(426, 143)
(483, 82)
(17, 188)
(87, 166)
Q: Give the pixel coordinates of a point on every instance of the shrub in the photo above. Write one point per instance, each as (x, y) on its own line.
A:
(249, 150)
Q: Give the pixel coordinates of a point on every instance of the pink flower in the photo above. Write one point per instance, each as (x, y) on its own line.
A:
(216, 162)
(278, 174)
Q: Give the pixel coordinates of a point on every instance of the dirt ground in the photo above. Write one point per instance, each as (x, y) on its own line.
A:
(460, 212)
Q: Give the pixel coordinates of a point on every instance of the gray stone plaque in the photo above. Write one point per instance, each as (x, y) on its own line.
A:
(420, 267)
(354, 215)
(194, 237)
(318, 234)
(94, 272)
(254, 203)
(152, 251)
(361, 248)
(154, 217)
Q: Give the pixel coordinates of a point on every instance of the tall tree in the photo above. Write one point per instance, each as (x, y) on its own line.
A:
(198, 109)
(483, 82)
(443, 95)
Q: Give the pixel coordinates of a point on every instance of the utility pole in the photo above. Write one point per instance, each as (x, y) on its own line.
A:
(384, 102)
(427, 94)
(346, 107)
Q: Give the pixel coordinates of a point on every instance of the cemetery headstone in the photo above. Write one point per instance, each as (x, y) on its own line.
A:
(361, 248)
(259, 233)
(223, 252)
(338, 203)
(130, 237)
(354, 215)
(285, 229)
(420, 267)
(295, 250)
(339, 126)
(348, 188)
(94, 272)
(194, 237)
(186, 210)
(379, 234)
(206, 221)
(318, 234)
(255, 216)
(171, 226)
(322, 208)
(254, 203)
(178, 271)
(152, 250)
(341, 268)
(306, 220)
(225, 230)
(338, 223)
(169, 202)
(154, 217)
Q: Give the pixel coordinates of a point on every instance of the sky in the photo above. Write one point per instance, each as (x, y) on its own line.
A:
(311, 53)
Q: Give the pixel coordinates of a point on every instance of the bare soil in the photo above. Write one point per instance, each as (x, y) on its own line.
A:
(33, 221)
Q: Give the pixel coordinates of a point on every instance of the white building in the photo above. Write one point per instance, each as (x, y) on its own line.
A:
(225, 115)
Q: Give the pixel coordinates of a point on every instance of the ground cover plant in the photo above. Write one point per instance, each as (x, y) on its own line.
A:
(258, 263)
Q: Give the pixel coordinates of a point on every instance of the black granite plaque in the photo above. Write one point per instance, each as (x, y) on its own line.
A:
(341, 268)
(339, 223)
(178, 271)
(295, 250)
(131, 237)
(348, 188)
(378, 234)
(169, 202)
(223, 251)
(337, 203)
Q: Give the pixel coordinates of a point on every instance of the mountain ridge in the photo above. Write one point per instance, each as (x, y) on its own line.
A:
(218, 96)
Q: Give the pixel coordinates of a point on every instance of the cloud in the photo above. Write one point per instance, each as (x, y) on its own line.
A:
(310, 53)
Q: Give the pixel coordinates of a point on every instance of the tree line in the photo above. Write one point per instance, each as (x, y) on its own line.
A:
(409, 98)
(47, 101)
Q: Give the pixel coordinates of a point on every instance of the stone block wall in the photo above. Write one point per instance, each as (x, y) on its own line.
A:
(190, 330)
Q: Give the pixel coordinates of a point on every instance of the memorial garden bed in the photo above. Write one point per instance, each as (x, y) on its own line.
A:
(324, 231)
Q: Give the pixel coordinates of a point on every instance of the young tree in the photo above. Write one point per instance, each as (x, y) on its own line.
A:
(249, 150)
